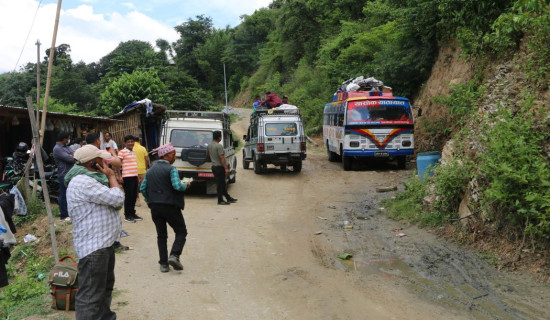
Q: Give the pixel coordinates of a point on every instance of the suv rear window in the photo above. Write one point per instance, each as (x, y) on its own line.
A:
(281, 129)
(189, 138)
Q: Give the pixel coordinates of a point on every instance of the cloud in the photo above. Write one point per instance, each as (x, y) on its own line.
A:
(129, 5)
(91, 35)
(93, 28)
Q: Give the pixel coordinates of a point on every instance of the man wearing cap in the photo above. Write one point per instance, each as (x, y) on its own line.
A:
(163, 190)
(94, 198)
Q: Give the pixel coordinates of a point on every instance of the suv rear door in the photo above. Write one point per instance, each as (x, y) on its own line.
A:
(282, 136)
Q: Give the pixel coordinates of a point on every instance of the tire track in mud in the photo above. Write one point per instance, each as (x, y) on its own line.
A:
(435, 269)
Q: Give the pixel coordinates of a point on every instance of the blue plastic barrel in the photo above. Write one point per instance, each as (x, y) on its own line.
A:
(425, 163)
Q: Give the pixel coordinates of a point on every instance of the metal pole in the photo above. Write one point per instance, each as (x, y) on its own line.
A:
(225, 86)
(40, 164)
(48, 79)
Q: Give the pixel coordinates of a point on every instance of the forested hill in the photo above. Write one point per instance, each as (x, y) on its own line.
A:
(300, 48)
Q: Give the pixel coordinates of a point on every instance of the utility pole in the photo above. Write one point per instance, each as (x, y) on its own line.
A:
(225, 86)
(49, 77)
(38, 80)
(37, 102)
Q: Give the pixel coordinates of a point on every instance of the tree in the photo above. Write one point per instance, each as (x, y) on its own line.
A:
(193, 33)
(131, 87)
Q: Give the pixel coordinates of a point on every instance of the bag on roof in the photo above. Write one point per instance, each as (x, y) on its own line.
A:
(63, 283)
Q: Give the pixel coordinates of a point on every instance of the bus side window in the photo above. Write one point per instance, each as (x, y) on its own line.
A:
(341, 119)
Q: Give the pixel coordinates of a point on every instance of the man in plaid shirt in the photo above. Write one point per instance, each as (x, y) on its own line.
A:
(94, 198)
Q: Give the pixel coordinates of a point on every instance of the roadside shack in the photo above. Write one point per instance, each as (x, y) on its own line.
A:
(142, 119)
(15, 127)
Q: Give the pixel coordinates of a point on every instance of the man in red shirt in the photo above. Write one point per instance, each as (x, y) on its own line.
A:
(272, 100)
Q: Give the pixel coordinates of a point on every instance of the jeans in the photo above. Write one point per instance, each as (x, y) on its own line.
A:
(171, 215)
(221, 186)
(62, 200)
(96, 279)
(130, 186)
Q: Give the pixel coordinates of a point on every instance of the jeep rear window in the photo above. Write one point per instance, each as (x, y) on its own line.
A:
(281, 129)
(189, 138)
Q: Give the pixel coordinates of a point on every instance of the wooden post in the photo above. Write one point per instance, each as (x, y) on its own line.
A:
(49, 76)
(37, 106)
(40, 164)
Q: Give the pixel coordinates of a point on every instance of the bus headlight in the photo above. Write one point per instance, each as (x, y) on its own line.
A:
(354, 144)
(406, 143)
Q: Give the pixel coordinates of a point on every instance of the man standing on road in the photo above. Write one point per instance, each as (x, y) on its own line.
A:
(142, 163)
(94, 198)
(219, 168)
(163, 190)
(129, 179)
(63, 157)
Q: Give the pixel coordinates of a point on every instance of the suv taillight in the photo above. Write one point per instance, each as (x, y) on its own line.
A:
(303, 146)
(261, 147)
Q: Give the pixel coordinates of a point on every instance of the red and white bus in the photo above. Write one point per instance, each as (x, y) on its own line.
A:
(364, 124)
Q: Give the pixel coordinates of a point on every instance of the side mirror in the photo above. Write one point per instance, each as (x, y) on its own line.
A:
(245, 137)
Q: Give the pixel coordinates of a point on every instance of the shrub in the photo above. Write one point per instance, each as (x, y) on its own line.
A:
(450, 183)
(517, 174)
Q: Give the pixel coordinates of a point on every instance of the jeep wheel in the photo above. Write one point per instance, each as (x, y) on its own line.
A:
(246, 163)
(257, 166)
(297, 166)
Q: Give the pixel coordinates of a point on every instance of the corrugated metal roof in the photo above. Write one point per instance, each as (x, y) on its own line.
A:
(58, 114)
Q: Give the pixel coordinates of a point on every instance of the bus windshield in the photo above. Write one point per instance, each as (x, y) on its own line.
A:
(359, 112)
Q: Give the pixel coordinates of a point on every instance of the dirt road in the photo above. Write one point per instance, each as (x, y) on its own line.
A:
(273, 255)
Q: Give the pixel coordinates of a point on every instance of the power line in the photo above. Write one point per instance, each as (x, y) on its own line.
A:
(28, 34)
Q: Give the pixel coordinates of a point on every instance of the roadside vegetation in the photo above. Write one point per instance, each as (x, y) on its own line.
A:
(499, 132)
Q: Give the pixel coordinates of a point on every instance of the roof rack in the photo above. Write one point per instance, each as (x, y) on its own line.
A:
(197, 114)
(276, 111)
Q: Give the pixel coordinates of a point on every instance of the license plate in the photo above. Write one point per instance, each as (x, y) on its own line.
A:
(270, 147)
(381, 154)
(206, 175)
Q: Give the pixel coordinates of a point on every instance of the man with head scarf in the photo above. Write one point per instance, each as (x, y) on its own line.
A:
(163, 190)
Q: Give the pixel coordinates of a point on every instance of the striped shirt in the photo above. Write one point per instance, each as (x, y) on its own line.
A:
(96, 222)
(129, 163)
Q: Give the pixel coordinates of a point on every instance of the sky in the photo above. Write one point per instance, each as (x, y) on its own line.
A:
(94, 28)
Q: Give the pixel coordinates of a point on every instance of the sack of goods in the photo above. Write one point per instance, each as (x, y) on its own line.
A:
(63, 283)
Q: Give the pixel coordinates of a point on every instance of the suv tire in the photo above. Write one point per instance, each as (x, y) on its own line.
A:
(257, 166)
(297, 167)
(246, 163)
